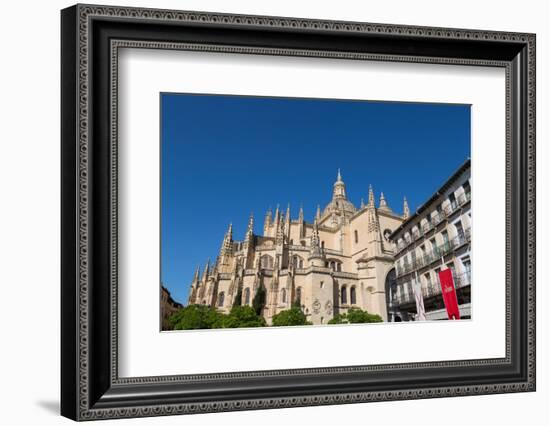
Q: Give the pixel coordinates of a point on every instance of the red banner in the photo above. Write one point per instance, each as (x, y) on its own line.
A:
(449, 293)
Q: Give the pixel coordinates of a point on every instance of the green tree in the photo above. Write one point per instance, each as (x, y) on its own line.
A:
(292, 316)
(242, 316)
(338, 319)
(358, 316)
(355, 316)
(195, 317)
(258, 302)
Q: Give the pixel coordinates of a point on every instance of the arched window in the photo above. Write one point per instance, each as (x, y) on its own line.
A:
(352, 296)
(266, 262)
(221, 298)
(247, 296)
(344, 295)
(335, 265)
(299, 294)
(283, 295)
(356, 236)
(297, 261)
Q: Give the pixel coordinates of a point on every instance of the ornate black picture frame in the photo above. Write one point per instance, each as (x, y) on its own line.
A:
(91, 387)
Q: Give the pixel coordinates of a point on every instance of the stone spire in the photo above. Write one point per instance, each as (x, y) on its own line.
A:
(383, 205)
(279, 228)
(275, 225)
(287, 216)
(371, 197)
(277, 216)
(267, 222)
(315, 251)
(315, 234)
(318, 214)
(301, 226)
(339, 188)
(287, 222)
(197, 274)
(362, 203)
(372, 220)
(250, 228)
(248, 245)
(229, 232)
(206, 271)
(227, 244)
(406, 211)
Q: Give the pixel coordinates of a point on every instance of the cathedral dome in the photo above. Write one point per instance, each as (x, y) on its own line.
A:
(339, 205)
(339, 202)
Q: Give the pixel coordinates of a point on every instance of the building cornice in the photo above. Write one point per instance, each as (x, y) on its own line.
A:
(427, 204)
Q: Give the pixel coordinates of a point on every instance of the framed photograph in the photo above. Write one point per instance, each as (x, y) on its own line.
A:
(263, 212)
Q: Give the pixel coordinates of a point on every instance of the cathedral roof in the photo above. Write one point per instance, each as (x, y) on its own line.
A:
(339, 203)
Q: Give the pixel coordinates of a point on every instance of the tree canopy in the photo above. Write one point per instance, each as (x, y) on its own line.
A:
(355, 316)
(243, 316)
(195, 317)
(292, 316)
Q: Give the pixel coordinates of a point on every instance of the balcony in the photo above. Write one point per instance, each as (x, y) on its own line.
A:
(461, 239)
(427, 227)
(408, 267)
(445, 248)
(435, 254)
(433, 289)
(451, 208)
(463, 280)
(405, 297)
(437, 219)
(464, 198)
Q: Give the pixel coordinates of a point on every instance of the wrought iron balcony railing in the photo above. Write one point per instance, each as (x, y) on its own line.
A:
(427, 227)
(464, 198)
(433, 289)
(437, 219)
(435, 254)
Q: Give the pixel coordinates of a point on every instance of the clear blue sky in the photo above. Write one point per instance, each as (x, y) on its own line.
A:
(224, 157)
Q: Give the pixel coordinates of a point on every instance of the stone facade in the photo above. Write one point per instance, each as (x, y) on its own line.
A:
(338, 261)
(168, 306)
(436, 237)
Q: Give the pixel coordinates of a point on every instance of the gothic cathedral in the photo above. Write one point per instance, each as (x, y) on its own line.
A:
(337, 262)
